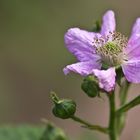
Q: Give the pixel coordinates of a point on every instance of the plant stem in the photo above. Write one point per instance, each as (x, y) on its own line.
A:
(128, 106)
(90, 126)
(123, 92)
(112, 120)
(123, 96)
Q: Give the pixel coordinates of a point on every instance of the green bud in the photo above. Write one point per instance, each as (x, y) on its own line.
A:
(90, 87)
(53, 133)
(63, 108)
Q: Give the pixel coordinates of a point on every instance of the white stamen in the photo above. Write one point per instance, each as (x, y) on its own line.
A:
(111, 48)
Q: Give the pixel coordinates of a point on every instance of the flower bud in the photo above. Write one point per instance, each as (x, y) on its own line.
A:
(90, 87)
(53, 133)
(63, 108)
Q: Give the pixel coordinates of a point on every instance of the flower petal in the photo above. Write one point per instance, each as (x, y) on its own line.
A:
(80, 43)
(109, 23)
(82, 68)
(136, 29)
(131, 71)
(106, 78)
(133, 48)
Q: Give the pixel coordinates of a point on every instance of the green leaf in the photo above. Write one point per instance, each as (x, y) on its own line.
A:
(31, 132)
(20, 132)
(53, 133)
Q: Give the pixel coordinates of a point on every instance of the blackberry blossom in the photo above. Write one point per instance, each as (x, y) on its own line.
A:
(99, 54)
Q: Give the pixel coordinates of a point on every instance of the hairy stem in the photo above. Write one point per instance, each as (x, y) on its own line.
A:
(128, 106)
(123, 96)
(123, 92)
(90, 126)
(112, 119)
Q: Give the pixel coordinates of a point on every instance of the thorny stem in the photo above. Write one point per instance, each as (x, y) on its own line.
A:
(90, 126)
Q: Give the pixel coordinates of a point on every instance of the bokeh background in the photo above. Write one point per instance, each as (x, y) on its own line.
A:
(32, 56)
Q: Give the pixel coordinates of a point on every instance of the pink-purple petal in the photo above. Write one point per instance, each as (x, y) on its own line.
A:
(106, 78)
(80, 43)
(133, 48)
(109, 23)
(135, 30)
(131, 70)
(86, 56)
(82, 68)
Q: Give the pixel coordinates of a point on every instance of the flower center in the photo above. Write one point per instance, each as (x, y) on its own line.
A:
(111, 49)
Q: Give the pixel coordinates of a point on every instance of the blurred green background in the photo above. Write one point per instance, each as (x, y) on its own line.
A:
(32, 56)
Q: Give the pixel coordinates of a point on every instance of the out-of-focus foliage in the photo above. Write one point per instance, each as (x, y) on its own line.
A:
(22, 132)
(27, 132)
(53, 133)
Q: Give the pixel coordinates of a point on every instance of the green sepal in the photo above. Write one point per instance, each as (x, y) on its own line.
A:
(119, 75)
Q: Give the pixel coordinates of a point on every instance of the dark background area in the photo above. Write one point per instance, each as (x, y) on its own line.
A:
(33, 54)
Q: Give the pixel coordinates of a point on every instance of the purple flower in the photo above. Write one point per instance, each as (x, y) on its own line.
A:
(108, 48)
